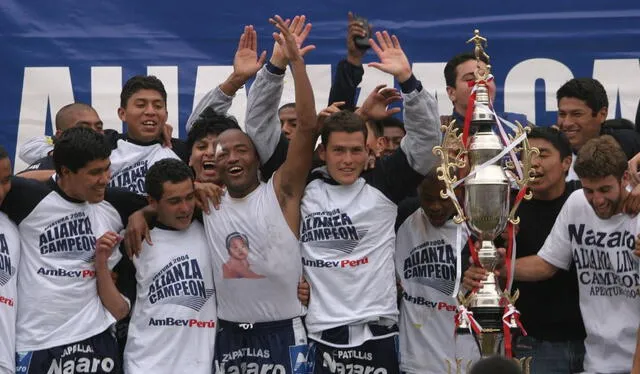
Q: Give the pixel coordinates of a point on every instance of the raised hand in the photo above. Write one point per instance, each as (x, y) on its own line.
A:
(246, 62)
(298, 30)
(328, 111)
(105, 245)
(354, 29)
(375, 106)
(392, 57)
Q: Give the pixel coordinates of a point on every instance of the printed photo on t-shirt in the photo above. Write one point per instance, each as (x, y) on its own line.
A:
(237, 266)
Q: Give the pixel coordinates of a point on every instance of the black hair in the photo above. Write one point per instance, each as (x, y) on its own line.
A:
(588, 90)
(166, 170)
(342, 121)
(235, 235)
(3, 153)
(78, 146)
(554, 136)
(392, 122)
(141, 82)
(287, 105)
(451, 68)
(495, 365)
(63, 115)
(619, 123)
(209, 123)
(375, 126)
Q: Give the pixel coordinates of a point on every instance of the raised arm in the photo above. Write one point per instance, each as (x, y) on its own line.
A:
(262, 123)
(245, 65)
(111, 298)
(349, 71)
(290, 179)
(421, 119)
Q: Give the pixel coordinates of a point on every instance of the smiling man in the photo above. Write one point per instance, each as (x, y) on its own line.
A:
(594, 235)
(582, 108)
(59, 223)
(143, 107)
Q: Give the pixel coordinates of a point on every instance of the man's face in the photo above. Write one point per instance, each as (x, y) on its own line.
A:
(175, 207)
(238, 249)
(237, 162)
(345, 155)
(604, 195)
(550, 169)
(88, 183)
(393, 137)
(5, 178)
(578, 122)
(459, 95)
(145, 115)
(437, 209)
(288, 121)
(202, 159)
(87, 118)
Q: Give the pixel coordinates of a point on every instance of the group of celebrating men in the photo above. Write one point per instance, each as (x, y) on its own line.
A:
(257, 252)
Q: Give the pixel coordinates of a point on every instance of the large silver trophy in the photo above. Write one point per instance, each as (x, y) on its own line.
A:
(486, 209)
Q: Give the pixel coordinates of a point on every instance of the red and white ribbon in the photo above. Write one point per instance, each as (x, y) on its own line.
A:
(510, 312)
(465, 316)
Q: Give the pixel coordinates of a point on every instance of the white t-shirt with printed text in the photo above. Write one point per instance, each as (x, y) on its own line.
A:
(608, 279)
(173, 322)
(427, 262)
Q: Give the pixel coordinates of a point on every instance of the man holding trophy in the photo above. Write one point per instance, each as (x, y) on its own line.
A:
(493, 163)
(590, 232)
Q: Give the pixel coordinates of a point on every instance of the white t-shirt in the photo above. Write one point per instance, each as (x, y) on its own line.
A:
(130, 163)
(608, 280)
(57, 290)
(428, 265)
(260, 282)
(173, 324)
(9, 260)
(571, 175)
(348, 240)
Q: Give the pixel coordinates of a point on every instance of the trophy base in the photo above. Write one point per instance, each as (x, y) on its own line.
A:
(490, 318)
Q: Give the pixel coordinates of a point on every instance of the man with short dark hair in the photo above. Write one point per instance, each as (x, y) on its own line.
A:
(582, 108)
(69, 116)
(288, 121)
(555, 329)
(59, 224)
(202, 141)
(459, 74)
(393, 132)
(175, 301)
(495, 365)
(9, 260)
(592, 233)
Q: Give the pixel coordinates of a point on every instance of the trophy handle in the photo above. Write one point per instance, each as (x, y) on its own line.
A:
(527, 153)
(452, 158)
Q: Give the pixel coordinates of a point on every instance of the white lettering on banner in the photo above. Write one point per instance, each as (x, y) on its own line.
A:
(621, 78)
(51, 87)
(432, 76)
(42, 87)
(209, 77)
(372, 77)
(521, 85)
(106, 84)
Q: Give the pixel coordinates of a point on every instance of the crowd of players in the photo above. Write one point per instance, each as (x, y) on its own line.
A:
(257, 251)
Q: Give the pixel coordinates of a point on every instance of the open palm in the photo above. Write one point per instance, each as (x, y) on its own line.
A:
(246, 62)
(392, 57)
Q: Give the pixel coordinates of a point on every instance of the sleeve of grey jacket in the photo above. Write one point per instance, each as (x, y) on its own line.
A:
(214, 98)
(261, 122)
(422, 124)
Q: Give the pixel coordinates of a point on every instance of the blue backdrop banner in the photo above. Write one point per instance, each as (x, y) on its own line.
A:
(57, 52)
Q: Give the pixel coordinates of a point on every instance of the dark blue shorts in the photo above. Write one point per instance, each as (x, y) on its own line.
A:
(378, 356)
(97, 354)
(278, 347)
